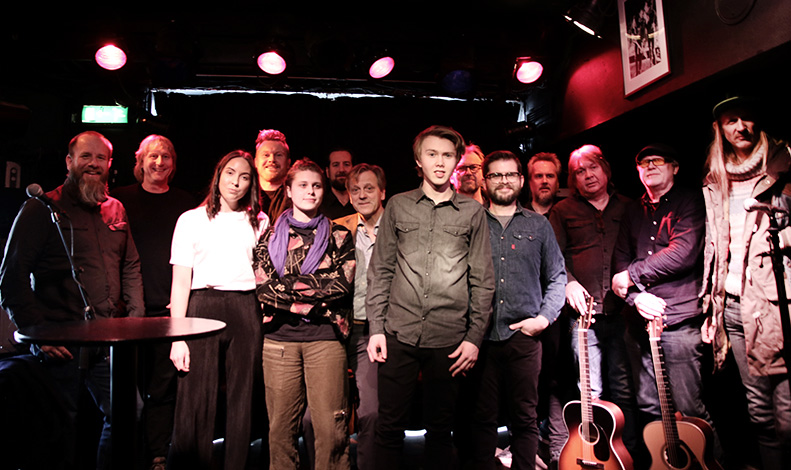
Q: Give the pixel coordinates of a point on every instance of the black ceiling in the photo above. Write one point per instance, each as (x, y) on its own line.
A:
(216, 46)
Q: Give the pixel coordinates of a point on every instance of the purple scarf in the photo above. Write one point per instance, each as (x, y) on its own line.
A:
(278, 244)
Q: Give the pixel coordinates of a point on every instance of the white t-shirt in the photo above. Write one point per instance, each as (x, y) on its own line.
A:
(219, 251)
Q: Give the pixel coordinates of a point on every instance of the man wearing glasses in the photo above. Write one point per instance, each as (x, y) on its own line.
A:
(530, 280)
(658, 260)
(468, 176)
(586, 225)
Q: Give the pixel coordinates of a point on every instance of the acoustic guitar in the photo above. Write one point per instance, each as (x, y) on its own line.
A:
(594, 425)
(677, 441)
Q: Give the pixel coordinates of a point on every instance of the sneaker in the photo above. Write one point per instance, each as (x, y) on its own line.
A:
(504, 456)
(159, 463)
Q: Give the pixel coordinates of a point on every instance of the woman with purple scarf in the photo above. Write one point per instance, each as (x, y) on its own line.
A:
(304, 268)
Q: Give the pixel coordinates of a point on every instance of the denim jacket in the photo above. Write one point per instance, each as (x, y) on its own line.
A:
(529, 272)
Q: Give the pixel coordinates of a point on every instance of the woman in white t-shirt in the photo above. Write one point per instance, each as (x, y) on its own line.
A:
(213, 278)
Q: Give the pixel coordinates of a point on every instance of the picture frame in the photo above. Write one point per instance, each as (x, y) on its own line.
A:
(644, 48)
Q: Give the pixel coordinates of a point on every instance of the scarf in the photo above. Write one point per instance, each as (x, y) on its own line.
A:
(750, 168)
(278, 244)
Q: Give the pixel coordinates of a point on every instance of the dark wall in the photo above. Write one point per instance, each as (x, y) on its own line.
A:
(701, 45)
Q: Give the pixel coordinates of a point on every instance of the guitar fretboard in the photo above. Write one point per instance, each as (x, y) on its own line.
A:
(665, 402)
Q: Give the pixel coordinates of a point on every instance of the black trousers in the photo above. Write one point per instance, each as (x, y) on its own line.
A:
(398, 381)
(236, 352)
(510, 366)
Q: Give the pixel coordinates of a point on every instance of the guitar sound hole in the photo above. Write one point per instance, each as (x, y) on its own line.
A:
(681, 459)
(593, 433)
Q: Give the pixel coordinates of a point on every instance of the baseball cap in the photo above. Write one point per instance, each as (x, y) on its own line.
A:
(661, 150)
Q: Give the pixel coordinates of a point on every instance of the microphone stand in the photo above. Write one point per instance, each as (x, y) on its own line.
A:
(782, 298)
(87, 307)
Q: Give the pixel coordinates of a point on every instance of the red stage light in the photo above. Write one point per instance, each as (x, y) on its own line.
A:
(110, 57)
(382, 67)
(528, 71)
(271, 63)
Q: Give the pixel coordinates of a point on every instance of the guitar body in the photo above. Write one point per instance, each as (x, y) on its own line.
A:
(696, 437)
(606, 450)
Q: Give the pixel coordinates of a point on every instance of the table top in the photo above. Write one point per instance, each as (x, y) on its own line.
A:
(112, 331)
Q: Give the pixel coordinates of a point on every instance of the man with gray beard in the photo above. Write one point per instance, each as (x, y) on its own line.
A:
(36, 284)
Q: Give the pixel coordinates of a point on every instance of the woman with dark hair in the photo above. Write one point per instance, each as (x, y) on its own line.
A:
(213, 278)
(304, 268)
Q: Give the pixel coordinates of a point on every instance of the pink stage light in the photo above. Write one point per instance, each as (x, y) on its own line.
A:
(529, 71)
(382, 67)
(271, 63)
(110, 57)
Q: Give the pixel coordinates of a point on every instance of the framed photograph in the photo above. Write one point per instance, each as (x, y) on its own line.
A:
(644, 48)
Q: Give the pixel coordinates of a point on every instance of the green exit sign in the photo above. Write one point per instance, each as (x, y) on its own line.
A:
(105, 114)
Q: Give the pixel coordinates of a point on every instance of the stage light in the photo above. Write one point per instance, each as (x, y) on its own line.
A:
(272, 63)
(381, 67)
(110, 57)
(527, 70)
(587, 15)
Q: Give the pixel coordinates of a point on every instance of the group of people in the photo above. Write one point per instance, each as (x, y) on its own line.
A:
(456, 290)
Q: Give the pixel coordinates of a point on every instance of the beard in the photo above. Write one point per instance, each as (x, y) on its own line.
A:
(504, 199)
(468, 185)
(544, 198)
(339, 182)
(92, 191)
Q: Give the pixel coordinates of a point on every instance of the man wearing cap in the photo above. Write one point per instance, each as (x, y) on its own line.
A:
(739, 291)
(658, 263)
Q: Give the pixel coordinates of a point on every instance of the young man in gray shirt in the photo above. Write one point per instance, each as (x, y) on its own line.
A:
(430, 288)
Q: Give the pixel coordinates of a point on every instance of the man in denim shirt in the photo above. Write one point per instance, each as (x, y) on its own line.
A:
(430, 287)
(530, 287)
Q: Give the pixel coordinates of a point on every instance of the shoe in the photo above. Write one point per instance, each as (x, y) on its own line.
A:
(504, 456)
(159, 463)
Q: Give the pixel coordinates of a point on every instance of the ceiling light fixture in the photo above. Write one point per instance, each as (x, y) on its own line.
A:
(110, 57)
(527, 70)
(588, 16)
(272, 62)
(381, 67)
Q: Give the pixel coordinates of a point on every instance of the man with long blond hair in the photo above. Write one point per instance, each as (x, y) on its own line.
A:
(739, 290)
(153, 206)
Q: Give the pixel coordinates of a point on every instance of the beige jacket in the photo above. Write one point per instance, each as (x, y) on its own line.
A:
(760, 312)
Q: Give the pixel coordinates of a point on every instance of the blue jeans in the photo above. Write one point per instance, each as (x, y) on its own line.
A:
(683, 354)
(96, 378)
(768, 397)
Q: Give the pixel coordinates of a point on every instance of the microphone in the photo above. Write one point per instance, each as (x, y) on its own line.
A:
(34, 190)
(751, 204)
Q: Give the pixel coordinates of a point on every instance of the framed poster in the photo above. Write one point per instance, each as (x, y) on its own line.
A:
(644, 48)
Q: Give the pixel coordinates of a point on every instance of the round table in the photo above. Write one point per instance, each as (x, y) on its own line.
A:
(122, 335)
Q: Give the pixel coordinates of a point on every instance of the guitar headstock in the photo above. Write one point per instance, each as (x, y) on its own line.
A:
(655, 328)
(586, 319)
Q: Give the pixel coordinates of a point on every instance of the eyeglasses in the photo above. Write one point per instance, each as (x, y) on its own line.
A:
(657, 161)
(468, 168)
(510, 176)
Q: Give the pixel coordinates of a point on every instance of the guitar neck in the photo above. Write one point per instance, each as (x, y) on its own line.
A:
(585, 386)
(665, 398)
